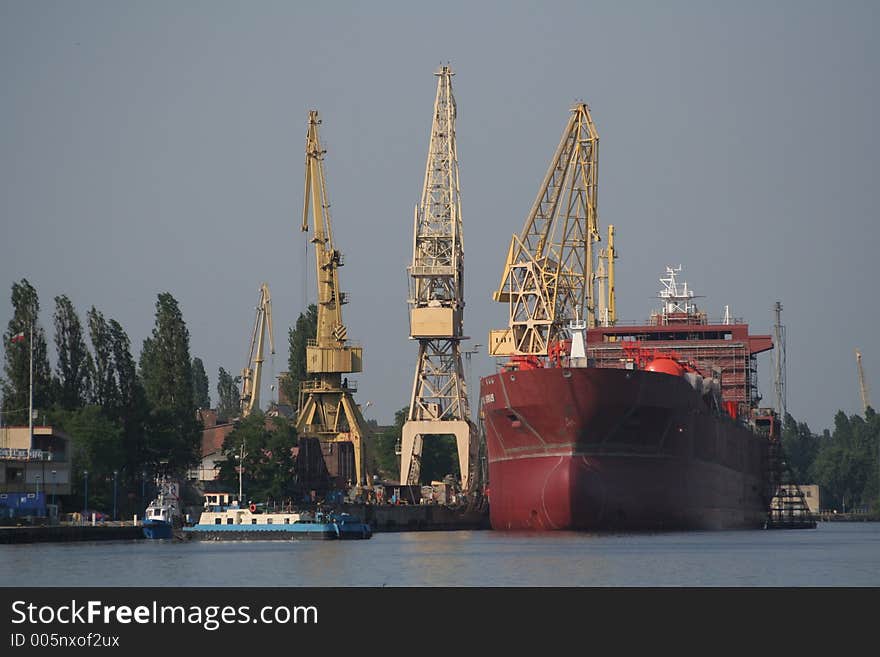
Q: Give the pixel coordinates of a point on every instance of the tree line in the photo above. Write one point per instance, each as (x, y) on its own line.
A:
(844, 462)
(130, 419)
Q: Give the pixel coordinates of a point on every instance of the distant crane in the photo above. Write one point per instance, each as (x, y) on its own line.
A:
(326, 407)
(550, 275)
(250, 376)
(863, 387)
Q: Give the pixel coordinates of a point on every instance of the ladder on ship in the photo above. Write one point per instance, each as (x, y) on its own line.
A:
(788, 508)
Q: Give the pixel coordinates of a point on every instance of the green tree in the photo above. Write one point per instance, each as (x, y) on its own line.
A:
(74, 379)
(16, 385)
(306, 329)
(105, 392)
(381, 450)
(98, 450)
(800, 446)
(846, 466)
(131, 410)
(229, 395)
(269, 472)
(166, 371)
(200, 384)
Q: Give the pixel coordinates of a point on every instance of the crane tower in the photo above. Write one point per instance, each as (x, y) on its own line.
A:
(327, 409)
(250, 376)
(550, 275)
(439, 402)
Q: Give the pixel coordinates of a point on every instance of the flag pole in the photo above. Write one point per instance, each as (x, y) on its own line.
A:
(31, 387)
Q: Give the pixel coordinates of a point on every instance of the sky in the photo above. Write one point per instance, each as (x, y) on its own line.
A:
(150, 147)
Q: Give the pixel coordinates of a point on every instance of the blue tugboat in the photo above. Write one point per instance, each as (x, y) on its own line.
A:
(226, 520)
(163, 514)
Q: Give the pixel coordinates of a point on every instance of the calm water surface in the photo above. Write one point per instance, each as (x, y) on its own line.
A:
(834, 554)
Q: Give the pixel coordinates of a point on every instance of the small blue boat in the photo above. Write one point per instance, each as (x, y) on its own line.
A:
(225, 520)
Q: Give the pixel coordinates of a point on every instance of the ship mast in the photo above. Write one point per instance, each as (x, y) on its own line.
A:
(549, 276)
(327, 408)
(439, 401)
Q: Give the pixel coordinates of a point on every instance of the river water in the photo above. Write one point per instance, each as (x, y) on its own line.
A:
(834, 554)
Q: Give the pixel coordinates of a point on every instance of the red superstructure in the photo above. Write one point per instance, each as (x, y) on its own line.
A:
(648, 426)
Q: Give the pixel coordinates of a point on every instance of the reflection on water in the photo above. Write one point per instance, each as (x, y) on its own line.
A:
(834, 554)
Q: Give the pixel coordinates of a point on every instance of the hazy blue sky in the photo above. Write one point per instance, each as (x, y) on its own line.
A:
(159, 146)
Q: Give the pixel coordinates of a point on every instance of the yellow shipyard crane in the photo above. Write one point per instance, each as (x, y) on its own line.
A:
(550, 276)
(250, 376)
(439, 402)
(327, 409)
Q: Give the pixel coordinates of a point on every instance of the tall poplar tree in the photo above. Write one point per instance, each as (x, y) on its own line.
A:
(200, 384)
(166, 370)
(21, 330)
(74, 366)
(228, 391)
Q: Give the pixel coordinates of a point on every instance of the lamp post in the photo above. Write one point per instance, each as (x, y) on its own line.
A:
(240, 471)
(53, 486)
(86, 494)
(143, 488)
(115, 472)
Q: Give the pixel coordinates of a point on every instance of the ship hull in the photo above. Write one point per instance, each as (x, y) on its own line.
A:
(603, 448)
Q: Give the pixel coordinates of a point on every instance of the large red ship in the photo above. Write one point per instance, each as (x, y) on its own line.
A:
(652, 426)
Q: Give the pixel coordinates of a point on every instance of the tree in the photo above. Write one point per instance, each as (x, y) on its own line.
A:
(166, 372)
(200, 384)
(229, 402)
(268, 473)
(16, 386)
(74, 379)
(846, 466)
(306, 329)
(800, 447)
(105, 392)
(381, 450)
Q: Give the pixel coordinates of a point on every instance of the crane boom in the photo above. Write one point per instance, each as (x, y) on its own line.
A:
(549, 276)
(250, 376)
(863, 387)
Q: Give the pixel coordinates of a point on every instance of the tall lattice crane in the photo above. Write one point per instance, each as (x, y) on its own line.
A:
(250, 376)
(550, 275)
(863, 387)
(326, 406)
(439, 401)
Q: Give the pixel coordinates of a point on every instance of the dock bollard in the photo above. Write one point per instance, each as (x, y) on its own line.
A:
(135, 521)
(93, 520)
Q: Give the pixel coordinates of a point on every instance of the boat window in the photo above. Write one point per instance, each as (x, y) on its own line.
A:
(287, 521)
(268, 521)
(229, 521)
(217, 521)
(253, 521)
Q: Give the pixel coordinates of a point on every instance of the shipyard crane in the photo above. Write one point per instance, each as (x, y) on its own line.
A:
(327, 409)
(549, 276)
(863, 387)
(250, 376)
(439, 402)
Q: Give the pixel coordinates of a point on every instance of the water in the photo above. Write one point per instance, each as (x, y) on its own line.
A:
(833, 554)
